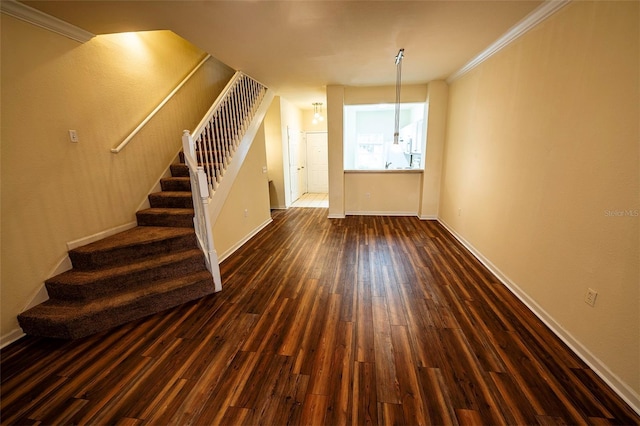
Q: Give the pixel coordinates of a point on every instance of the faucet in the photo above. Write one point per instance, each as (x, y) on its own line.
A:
(386, 165)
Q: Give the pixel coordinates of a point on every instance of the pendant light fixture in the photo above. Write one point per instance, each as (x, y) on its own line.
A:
(396, 130)
(317, 112)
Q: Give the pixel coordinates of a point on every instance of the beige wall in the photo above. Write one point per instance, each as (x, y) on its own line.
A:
(437, 98)
(291, 119)
(281, 116)
(273, 138)
(388, 193)
(335, 135)
(382, 193)
(53, 191)
(354, 95)
(246, 209)
(541, 175)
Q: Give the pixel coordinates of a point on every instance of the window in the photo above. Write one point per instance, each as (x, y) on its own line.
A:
(368, 137)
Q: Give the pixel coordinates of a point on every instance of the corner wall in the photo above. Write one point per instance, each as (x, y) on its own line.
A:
(366, 192)
(246, 209)
(55, 191)
(282, 115)
(541, 177)
(275, 164)
(437, 98)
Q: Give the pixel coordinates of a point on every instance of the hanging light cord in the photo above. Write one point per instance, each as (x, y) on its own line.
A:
(396, 131)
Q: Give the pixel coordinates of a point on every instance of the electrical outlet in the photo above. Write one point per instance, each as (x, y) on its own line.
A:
(73, 136)
(246, 212)
(459, 212)
(590, 297)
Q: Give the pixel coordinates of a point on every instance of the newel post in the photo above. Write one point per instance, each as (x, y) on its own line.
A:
(188, 145)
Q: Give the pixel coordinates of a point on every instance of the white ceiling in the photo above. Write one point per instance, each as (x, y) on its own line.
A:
(298, 47)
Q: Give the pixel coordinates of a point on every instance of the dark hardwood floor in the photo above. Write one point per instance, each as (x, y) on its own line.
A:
(365, 320)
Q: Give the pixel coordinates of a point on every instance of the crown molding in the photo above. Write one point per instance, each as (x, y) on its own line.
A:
(43, 20)
(537, 16)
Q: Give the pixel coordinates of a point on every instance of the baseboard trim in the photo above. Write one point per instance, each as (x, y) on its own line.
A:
(10, 337)
(623, 390)
(428, 217)
(335, 216)
(239, 244)
(39, 296)
(380, 213)
(100, 235)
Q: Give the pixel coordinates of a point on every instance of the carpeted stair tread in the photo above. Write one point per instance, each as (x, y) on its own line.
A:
(72, 320)
(179, 170)
(133, 236)
(179, 183)
(171, 199)
(86, 285)
(166, 216)
(127, 276)
(138, 242)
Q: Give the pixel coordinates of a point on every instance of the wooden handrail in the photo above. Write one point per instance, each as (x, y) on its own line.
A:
(155, 111)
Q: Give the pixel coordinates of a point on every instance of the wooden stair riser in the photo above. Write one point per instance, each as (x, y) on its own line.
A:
(173, 199)
(85, 286)
(175, 184)
(127, 276)
(179, 218)
(206, 155)
(122, 255)
(179, 170)
(74, 322)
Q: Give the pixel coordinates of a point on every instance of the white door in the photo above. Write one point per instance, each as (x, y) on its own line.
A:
(294, 164)
(317, 163)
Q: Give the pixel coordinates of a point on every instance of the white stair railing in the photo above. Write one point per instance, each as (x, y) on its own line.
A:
(209, 150)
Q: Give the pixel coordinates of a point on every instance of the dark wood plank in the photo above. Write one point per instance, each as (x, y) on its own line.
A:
(386, 377)
(435, 397)
(365, 403)
(322, 366)
(362, 320)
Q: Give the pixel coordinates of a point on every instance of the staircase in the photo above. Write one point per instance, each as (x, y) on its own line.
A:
(152, 267)
(169, 258)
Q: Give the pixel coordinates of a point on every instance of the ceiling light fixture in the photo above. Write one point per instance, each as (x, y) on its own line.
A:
(396, 130)
(317, 112)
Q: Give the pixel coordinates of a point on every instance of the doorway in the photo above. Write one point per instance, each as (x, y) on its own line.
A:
(318, 163)
(297, 163)
(317, 172)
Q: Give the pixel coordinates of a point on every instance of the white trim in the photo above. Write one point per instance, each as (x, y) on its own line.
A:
(40, 295)
(223, 190)
(428, 217)
(100, 235)
(380, 213)
(600, 368)
(12, 336)
(223, 94)
(43, 20)
(335, 216)
(240, 243)
(534, 18)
